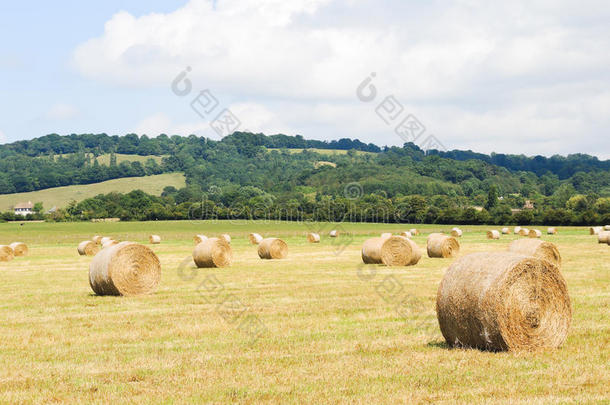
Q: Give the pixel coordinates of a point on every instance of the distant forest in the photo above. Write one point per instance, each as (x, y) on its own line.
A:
(251, 171)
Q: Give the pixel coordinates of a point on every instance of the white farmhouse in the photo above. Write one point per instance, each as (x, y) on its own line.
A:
(24, 208)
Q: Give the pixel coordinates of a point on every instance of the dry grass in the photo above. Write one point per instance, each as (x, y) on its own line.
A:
(332, 333)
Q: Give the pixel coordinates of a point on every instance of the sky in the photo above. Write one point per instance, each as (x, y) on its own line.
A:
(525, 77)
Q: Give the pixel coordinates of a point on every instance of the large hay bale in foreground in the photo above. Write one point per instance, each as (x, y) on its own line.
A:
(505, 231)
(88, 248)
(125, 269)
(536, 248)
(443, 246)
(199, 238)
(154, 239)
(272, 248)
(19, 249)
(603, 237)
(226, 237)
(503, 301)
(406, 234)
(493, 234)
(535, 233)
(524, 232)
(213, 252)
(457, 232)
(551, 231)
(392, 251)
(313, 237)
(334, 233)
(97, 239)
(255, 238)
(6, 253)
(518, 230)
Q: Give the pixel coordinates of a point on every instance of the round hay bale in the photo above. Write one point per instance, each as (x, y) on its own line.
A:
(505, 231)
(503, 301)
(213, 252)
(226, 237)
(199, 238)
(524, 232)
(97, 239)
(594, 230)
(19, 249)
(255, 238)
(125, 269)
(517, 230)
(6, 253)
(272, 248)
(535, 233)
(456, 233)
(414, 232)
(386, 235)
(603, 237)
(334, 233)
(551, 231)
(313, 237)
(109, 243)
(406, 234)
(392, 251)
(105, 239)
(440, 245)
(492, 234)
(607, 228)
(536, 248)
(154, 239)
(88, 248)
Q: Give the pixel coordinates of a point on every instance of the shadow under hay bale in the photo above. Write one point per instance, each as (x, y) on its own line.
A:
(213, 252)
(392, 251)
(536, 248)
(503, 301)
(125, 269)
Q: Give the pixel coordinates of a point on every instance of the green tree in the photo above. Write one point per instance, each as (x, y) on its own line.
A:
(492, 197)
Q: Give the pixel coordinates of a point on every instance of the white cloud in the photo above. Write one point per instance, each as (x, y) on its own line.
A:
(473, 72)
(62, 111)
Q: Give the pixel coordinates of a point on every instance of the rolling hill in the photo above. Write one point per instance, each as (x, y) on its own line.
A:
(61, 196)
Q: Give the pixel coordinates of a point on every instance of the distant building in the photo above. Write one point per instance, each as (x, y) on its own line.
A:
(24, 208)
(529, 205)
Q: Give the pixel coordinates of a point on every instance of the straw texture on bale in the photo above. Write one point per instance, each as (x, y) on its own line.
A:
(154, 239)
(226, 237)
(517, 230)
(440, 245)
(524, 232)
(536, 248)
(125, 269)
(456, 232)
(199, 238)
(493, 234)
(272, 248)
(414, 232)
(213, 252)
(505, 231)
(88, 248)
(19, 249)
(334, 233)
(97, 239)
(603, 237)
(6, 253)
(392, 251)
(313, 237)
(503, 301)
(535, 233)
(551, 231)
(255, 238)
(406, 234)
